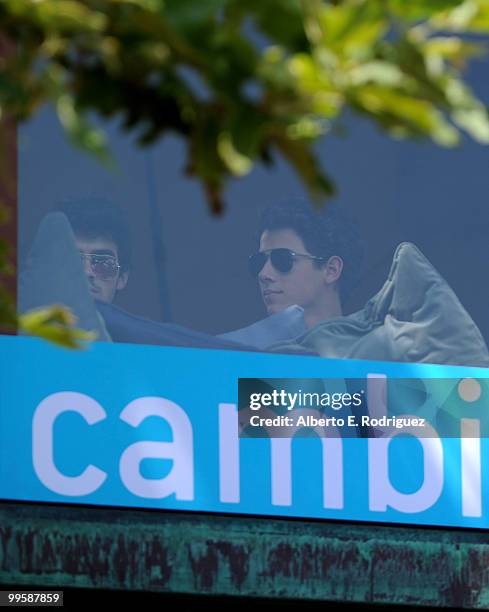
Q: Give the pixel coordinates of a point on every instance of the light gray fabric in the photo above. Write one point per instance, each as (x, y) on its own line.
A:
(415, 317)
(53, 274)
(278, 327)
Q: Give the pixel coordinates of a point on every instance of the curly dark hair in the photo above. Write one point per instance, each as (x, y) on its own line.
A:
(96, 217)
(325, 232)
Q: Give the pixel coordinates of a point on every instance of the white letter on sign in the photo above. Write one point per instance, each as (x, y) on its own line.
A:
(383, 494)
(42, 443)
(181, 478)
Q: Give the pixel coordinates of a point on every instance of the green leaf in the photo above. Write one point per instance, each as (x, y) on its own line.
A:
(281, 21)
(416, 10)
(186, 13)
(55, 324)
(468, 16)
(467, 112)
(307, 166)
(475, 121)
(59, 14)
(379, 72)
(307, 127)
(80, 131)
(453, 48)
(237, 163)
(205, 160)
(405, 115)
(350, 28)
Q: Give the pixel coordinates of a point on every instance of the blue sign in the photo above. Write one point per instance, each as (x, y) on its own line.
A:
(157, 427)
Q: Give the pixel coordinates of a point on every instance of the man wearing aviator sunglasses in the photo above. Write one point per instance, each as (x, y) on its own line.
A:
(306, 257)
(102, 239)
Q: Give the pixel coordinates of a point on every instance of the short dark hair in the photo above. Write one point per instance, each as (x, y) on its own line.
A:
(325, 232)
(96, 217)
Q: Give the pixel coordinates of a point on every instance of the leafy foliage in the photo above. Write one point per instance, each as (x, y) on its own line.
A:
(243, 80)
(56, 324)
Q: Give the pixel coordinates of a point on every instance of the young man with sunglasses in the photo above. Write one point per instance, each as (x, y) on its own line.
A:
(103, 241)
(306, 257)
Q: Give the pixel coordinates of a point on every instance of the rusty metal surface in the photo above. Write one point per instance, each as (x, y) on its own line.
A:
(193, 553)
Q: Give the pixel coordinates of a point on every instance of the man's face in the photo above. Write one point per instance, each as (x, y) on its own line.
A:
(303, 285)
(103, 280)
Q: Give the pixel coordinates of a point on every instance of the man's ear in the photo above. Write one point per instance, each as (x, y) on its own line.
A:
(122, 280)
(333, 269)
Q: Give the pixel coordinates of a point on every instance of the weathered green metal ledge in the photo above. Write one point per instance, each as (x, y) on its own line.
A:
(203, 554)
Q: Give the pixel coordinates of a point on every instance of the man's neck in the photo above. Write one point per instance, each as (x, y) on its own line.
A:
(327, 310)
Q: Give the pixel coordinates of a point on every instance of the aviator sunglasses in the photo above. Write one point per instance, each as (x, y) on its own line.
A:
(105, 267)
(281, 259)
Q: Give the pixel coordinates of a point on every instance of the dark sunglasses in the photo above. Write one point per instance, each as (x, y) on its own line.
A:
(281, 259)
(105, 267)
